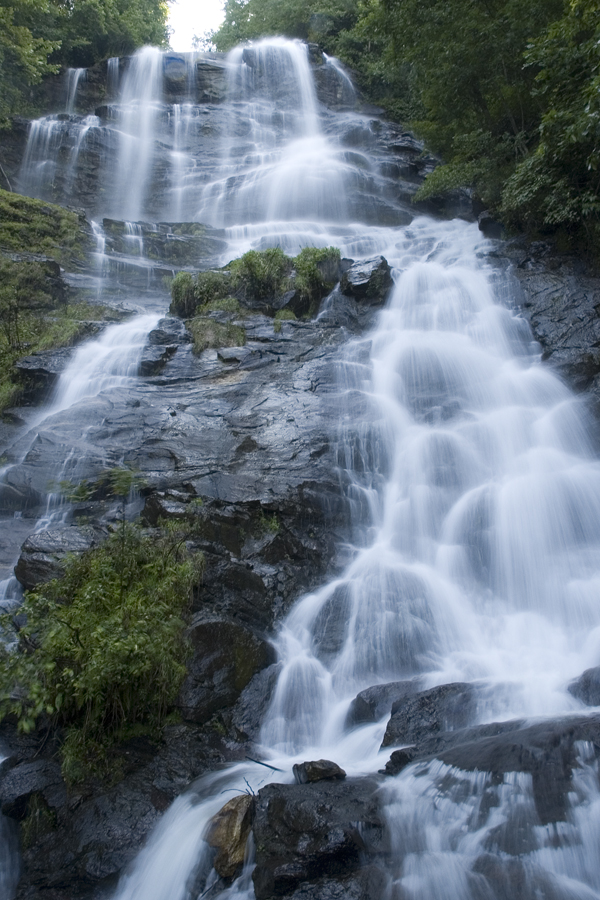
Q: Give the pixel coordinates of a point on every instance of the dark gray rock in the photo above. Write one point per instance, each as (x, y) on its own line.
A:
(248, 713)
(40, 776)
(490, 226)
(306, 832)
(38, 374)
(317, 770)
(442, 708)
(375, 702)
(368, 281)
(211, 78)
(587, 687)
(225, 657)
(43, 554)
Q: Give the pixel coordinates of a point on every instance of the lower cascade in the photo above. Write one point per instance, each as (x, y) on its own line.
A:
(420, 735)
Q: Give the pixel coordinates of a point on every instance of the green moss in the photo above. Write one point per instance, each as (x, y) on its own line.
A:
(282, 315)
(32, 226)
(39, 821)
(207, 333)
(227, 304)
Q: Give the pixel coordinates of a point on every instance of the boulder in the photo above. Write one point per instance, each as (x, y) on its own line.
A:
(228, 833)
(368, 281)
(587, 687)
(375, 702)
(307, 832)
(225, 657)
(317, 770)
(43, 554)
(39, 776)
(442, 708)
(39, 373)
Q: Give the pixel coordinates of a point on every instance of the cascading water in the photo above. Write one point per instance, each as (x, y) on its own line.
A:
(479, 559)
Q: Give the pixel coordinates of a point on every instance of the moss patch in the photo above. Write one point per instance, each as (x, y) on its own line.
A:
(33, 226)
(206, 333)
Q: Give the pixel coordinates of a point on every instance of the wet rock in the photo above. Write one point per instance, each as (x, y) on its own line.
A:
(38, 374)
(43, 554)
(489, 226)
(587, 687)
(211, 78)
(228, 833)
(225, 657)
(40, 776)
(331, 623)
(399, 760)
(369, 882)
(442, 708)
(317, 770)
(375, 702)
(165, 505)
(249, 711)
(369, 280)
(304, 833)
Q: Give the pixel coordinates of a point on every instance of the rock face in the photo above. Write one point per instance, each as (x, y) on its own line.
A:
(226, 656)
(308, 832)
(43, 554)
(442, 708)
(587, 687)
(377, 701)
(560, 298)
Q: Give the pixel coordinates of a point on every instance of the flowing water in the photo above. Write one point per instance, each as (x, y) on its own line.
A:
(479, 558)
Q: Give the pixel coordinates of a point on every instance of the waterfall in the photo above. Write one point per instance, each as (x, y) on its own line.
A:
(479, 559)
(140, 106)
(73, 77)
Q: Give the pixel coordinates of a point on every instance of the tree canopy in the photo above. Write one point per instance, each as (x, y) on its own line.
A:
(38, 36)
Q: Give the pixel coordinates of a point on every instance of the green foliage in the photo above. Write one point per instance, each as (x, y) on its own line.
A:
(36, 36)
(23, 52)
(316, 271)
(260, 275)
(190, 295)
(92, 30)
(227, 304)
(102, 651)
(206, 333)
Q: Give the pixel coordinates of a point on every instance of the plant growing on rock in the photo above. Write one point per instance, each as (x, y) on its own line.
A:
(260, 275)
(102, 651)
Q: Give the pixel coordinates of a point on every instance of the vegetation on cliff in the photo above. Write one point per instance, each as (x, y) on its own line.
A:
(255, 278)
(508, 95)
(101, 652)
(37, 311)
(37, 36)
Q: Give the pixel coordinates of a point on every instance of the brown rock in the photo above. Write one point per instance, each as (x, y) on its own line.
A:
(228, 833)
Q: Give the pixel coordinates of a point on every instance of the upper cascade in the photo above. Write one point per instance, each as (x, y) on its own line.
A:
(266, 139)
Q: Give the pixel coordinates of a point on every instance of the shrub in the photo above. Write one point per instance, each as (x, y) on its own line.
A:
(183, 302)
(258, 275)
(316, 272)
(102, 652)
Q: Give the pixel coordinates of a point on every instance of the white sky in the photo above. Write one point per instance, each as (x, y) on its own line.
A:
(193, 17)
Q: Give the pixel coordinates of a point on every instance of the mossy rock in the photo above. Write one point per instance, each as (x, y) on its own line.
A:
(207, 333)
(42, 228)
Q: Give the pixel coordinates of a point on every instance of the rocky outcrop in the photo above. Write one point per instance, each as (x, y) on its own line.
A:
(587, 687)
(225, 657)
(375, 702)
(228, 834)
(43, 554)
(310, 832)
(368, 281)
(442, 708)
(560, 297)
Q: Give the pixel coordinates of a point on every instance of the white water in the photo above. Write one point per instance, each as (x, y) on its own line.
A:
(479, 561)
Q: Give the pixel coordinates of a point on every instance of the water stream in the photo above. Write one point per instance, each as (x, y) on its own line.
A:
(479, 561)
